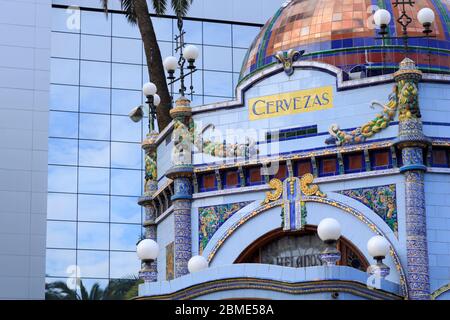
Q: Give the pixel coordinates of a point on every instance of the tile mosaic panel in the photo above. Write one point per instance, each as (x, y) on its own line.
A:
(382, 200)
(211, 219)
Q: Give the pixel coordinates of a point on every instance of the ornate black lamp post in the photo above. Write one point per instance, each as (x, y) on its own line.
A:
(383, 17)
(187, 54)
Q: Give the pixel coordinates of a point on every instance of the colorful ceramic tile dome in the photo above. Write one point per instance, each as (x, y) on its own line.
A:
(342, 33)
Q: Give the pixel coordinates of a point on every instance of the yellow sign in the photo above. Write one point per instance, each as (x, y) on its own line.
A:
(290, 103)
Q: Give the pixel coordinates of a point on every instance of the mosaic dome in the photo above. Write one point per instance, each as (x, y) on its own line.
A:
(341, 33)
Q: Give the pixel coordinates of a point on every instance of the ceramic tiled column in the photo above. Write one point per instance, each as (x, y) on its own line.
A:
(411, 141)
(149, 269)
(181, 173)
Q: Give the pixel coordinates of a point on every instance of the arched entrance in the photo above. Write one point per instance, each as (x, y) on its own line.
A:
(298, 249)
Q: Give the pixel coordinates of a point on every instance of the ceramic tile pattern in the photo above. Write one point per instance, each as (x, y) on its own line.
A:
(331, 31)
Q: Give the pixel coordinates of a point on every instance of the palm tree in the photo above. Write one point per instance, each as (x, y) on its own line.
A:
(137, 13)
(117, 289)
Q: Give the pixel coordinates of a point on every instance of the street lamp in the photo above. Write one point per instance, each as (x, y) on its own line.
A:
(153, 100)
(378, 248)
(147, 250)
(197, 263)
(187, 54)
(329, 231)
(382, 18)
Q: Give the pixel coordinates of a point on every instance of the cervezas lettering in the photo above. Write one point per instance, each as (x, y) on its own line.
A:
(290, 103)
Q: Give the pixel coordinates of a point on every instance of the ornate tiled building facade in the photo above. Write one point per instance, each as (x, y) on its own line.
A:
(305, 140)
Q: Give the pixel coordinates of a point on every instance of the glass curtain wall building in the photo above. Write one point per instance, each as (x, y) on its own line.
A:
(95, 160)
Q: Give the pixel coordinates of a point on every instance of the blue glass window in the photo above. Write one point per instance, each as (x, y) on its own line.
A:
(243, 36)
(163, 28)
(218, 83)
(126, 155)
(123, 264)
(95, 100)
(93, 181)
(64, 71)
(94, 126)
(125, 209)
(126, 182)
(125, 236)
(65, 45)
(58, 261)
(127, 50)
(95, 23)
(63, 124)
(62, 151)
(66, 20)
(93, 235)
(125, 100)
(62, 179)
(94, 153)
(93, 264)
(217, 34)
(193, 29)
(93, 208)
(126, 76)
(64, 98)
(61, 234)
(95, 48)
(95, 74)
(61, 206)
(123, 129)
(122, 28)
(217, 58)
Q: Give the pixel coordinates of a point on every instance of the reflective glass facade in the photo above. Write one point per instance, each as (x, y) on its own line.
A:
(95, 159)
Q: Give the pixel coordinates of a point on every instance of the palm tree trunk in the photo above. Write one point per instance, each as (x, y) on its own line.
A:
(155, 67)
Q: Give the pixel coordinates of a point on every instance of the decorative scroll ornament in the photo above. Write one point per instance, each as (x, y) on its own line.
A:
(403, 98)
(308, 188)
(288, 58)
(291, 190)
(361, 134)
(277, 187)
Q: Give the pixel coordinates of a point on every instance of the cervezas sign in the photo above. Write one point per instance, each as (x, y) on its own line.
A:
(290, 103)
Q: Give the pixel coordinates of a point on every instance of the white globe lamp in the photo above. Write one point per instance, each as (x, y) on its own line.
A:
(426, 16)
(149, 89)
(147, 250)
(197, 263)
(191, 53)
(382, 17)
(378, 248)
(329, 229)
(170, 64)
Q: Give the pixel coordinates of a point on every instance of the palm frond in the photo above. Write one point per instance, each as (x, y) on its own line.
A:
(96, 292)
(130, 10)
(160, 6)
(105, 5)
(59, 291)
(83, 291)
(181, 7)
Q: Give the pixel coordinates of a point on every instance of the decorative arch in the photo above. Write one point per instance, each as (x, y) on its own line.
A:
(245, 217)
(440, 291)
